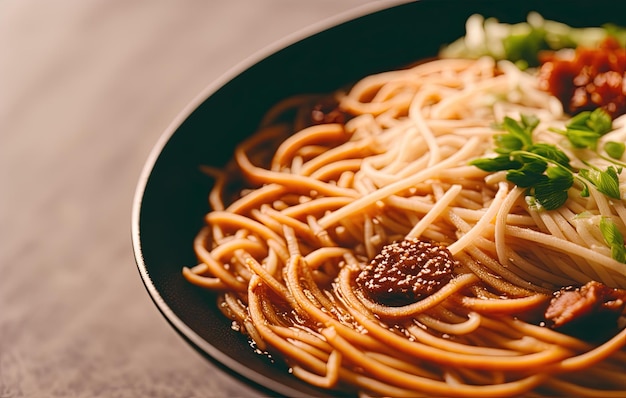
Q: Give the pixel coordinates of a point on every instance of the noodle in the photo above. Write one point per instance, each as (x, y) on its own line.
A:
(316, 205)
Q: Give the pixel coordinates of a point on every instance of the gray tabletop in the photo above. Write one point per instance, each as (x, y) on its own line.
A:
(86, 89)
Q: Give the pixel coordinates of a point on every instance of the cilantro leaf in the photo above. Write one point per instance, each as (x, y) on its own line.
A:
(507, 143)
(579, 120)
(585, 129)
(551, 190)
(530, 122)
(582, 138)
(614, 239)
(606, 181)
(497, 163)
(550, 152)
(560, 178)
(600, 121)
(615, 149)
(521, 130)
(544, 169)
(550, 199)
(529, 174)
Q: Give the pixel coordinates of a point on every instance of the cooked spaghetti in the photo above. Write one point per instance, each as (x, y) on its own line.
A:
(372, 256)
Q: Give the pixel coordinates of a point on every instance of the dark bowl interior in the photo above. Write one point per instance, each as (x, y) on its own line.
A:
(171, 197)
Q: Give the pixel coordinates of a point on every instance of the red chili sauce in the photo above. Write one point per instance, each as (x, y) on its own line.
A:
(587, 79)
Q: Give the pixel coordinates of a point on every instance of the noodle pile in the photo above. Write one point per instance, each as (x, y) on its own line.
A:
(320, 202)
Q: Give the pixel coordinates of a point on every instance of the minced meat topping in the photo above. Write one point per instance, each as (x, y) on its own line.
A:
(407, 271)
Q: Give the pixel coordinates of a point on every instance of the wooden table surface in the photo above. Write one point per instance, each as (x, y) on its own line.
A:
(86, 89)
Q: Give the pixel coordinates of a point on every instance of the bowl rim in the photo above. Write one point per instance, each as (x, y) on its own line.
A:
(238, 68)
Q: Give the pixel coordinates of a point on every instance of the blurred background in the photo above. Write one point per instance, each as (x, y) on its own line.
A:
(86, 89)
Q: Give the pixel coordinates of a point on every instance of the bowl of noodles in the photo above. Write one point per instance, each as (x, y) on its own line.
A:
(425, 199)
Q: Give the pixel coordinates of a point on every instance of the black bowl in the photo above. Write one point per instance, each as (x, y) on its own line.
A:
(171, 197)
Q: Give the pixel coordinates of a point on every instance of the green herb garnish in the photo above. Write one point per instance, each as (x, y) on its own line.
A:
(613, 238)
(541, 168)
(606, 181)
(544, 169)
(614, 149)
(586, 128)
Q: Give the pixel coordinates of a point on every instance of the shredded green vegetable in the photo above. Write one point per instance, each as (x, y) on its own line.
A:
(522, 42)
